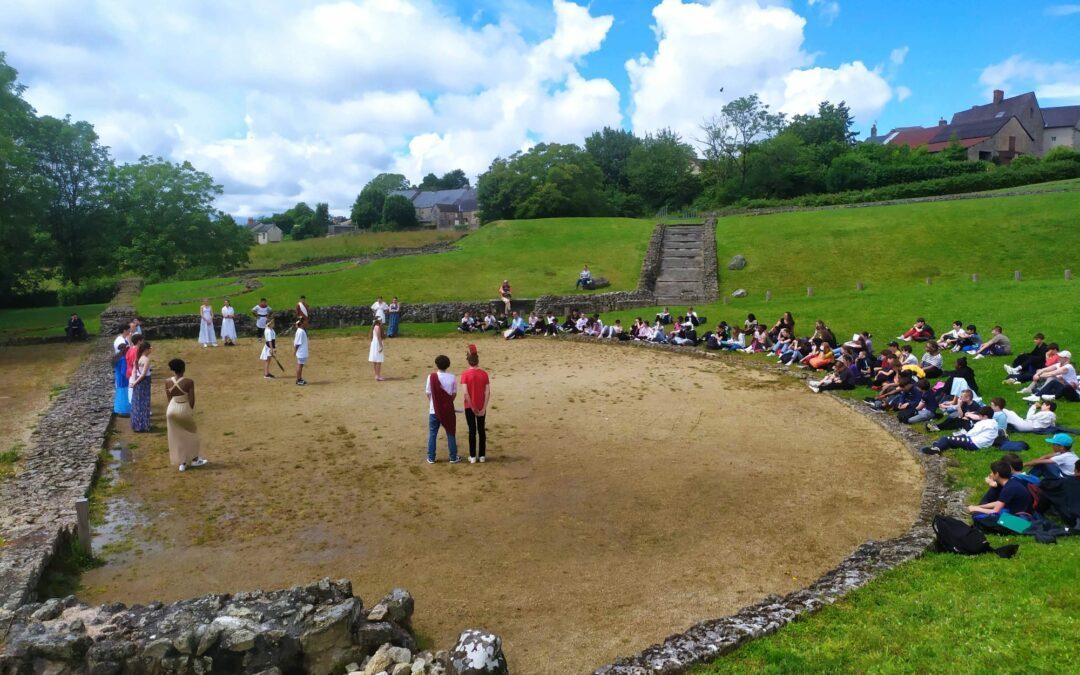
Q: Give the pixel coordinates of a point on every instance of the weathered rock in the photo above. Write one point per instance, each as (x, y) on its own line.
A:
(400, 655)
(737, 263)
(49, 610)
(399, 606)
(328, 644)
(739, 293)
(380, 661)
(478, 652)
(402, 669)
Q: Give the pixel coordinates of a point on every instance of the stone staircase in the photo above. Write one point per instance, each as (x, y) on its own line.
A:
(681, 279)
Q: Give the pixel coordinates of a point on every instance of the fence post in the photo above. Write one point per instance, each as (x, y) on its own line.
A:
(1068, 275)
(1016, 275)
(809, 291)
(768, 296)
(974, 278)
(929, 281)
(725, 299)
(82, 514)
(858, 285)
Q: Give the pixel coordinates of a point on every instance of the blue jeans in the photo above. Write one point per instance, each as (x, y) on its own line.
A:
(433, 432)
(1047, 471)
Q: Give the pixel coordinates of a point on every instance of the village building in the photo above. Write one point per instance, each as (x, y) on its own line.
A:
(265, 233)
(444, 209)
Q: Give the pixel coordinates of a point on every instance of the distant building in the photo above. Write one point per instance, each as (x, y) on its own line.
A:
(265, 233)
(341, 226)
(444, 209)
(1000, 130)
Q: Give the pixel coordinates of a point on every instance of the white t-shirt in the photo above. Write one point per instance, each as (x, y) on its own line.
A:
(300, 341)
(262, 313)
(448, 383)
(1066, 461)
(120, 340)
(1069, 375)
(380, 310)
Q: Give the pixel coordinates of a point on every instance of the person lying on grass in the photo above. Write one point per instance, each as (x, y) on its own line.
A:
(1005, 495)
(982, 434)
(1041, 415)
(1028, 363)
(1060, 462)
(998, 344)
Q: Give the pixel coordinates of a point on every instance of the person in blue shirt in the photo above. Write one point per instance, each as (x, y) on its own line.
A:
(517, 328)
(584, 279)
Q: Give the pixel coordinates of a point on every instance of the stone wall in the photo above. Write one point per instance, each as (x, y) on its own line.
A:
(712, 271)
(650, 265)
(594, 304)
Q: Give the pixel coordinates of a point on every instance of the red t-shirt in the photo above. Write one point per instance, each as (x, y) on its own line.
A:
(475, 381)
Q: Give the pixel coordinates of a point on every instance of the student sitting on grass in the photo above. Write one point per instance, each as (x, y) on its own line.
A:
(737, 341)
(517, 328)
(1059, 463)
(961, 371)
(1029, 363)
(584, 279)
(907, 358)
(920, 332)
(931, 361)
(1057, 381)
(971, 341)
(821, 359)
(982, 434)
(1017, 466)
(1040, 416)
(1005, 495)
(664, 317)
(952, 338)
(822, 333)
(842, 377)
(925, 409)
(997, 345)
(960, 410)
(467, 324)
(786, 321)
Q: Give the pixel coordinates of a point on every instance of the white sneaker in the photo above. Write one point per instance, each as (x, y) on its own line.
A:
(183, 467)
(198, 461)
(980, 356)
(1011, 370)
(482, 460)
(472, 460)
(1033, 398)
(1048, 397)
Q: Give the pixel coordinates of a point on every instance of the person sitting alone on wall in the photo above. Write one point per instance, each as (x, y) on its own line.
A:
(76, 329)
(584, 279)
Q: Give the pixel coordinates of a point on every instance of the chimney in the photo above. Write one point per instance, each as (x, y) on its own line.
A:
(942, 123)
(873, 130)
(251, 221)
(999, 96)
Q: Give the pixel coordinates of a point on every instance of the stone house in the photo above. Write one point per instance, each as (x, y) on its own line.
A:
(1003, 138)
(265, 233)
(444, 209)
(1062, 127)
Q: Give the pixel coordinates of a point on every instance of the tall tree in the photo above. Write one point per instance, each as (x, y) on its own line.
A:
(398, 213)
(170, 222)
(550, 180)
(454, 180)
(75, 165)
(661, 171)
(388, 182)
(742, 123)
(610, 149)
(300, 216)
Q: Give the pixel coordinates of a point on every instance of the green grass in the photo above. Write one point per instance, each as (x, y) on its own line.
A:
(47, 321)
(63, 575)
(272, 256)
(8, 459)
(1041, 187)
(1036, 234)
(538, 256)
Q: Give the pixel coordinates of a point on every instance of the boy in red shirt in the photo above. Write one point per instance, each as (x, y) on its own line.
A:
(477, 387)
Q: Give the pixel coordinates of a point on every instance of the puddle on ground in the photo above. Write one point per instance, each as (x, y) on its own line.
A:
(113, 539)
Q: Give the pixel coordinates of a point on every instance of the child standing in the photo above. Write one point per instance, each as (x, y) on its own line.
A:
(269, 347)
(441, 390)
(477, 386)
(300, 350)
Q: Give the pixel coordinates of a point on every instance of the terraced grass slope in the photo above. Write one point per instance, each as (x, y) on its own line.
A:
(272, 256)
(538, 256)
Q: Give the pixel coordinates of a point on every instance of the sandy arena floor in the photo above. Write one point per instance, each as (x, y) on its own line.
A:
(628, 494)
(27, 375)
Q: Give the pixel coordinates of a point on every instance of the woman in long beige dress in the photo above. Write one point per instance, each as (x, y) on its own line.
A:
(180, 418)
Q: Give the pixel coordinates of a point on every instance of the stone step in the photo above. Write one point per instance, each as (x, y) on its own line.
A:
(691, 275)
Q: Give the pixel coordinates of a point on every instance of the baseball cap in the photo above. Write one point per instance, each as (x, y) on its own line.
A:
(1065, 354)
(1061, 439)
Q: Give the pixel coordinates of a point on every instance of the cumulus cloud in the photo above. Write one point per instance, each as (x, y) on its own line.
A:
(903, 93)
(1055, 81)
(897, 56)
(1063, 10)
(828, 10)
(284, 101)
(713, 52)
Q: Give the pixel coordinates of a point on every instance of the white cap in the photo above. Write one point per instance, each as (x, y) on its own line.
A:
(1065, 355)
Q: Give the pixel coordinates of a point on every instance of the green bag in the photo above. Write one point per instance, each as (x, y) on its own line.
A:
(1015, 523)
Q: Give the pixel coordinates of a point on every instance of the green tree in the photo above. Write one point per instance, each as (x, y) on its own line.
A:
(451, 180)
(24, 193)
(75, 166)
(398, 213)
(661, 171)
(170, 223)
(610, 149)
(954, 151)
(299, 217)
(550, 180)
(430, 182)
(388, 182)
(367, 209)
(730, 137)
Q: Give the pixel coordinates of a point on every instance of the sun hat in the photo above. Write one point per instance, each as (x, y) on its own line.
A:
(1065, 354)
(1061, 439)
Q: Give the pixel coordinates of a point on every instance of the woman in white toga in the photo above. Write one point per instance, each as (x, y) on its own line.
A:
(228, 323)
(375, 352)
(207, 337)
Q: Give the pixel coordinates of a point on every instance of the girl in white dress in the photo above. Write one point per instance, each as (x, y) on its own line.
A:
(207, 337)
(375, 353)
(228, 324)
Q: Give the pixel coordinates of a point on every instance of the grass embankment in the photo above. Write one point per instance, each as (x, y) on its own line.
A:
(538, 256)
(47, 321)
(272, 256)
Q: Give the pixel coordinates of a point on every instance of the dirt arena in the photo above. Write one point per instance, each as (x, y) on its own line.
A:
(628, 492)
(28, 376)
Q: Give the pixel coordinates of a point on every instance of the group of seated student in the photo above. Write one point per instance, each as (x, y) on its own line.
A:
(489, 322)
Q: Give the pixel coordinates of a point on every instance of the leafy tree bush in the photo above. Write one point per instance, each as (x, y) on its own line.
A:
(548, 181)
(398, 213)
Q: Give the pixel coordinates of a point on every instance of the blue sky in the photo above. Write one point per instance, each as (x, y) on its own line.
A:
(289, 100)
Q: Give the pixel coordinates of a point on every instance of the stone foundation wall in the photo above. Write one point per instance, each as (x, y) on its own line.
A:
(650, 265)
(594, 304)
(712, 271)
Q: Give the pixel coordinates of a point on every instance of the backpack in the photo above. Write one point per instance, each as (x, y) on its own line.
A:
(956, 536)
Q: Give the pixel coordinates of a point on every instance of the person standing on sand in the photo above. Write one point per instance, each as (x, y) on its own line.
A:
(262, 313)
(121, 400)
(180, 419)
(375, 351)
(207, 338)
(395, 318)
(477, 387)
(378, 308)
(300, 350)
(441, 390)
(269, 348)
(140, 390)
(303, 312)
(228, 323)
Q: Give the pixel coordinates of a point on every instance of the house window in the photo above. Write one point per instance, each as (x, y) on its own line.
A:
(1053, 138)
(984, 155)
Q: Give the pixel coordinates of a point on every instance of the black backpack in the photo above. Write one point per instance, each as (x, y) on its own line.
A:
(956, 536)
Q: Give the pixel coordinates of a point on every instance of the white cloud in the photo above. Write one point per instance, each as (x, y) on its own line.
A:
(1063, 10)
(828, 10)
(897, 56)
(1017, 74)
(283, 100)
(903, 93)
(742, 47)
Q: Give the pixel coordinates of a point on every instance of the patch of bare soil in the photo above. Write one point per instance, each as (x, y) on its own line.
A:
(29, 375)
(628, 493)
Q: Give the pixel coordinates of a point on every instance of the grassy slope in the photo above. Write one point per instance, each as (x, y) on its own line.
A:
(45, 321)
(538, 256)
(1037, 234)
(272, 256)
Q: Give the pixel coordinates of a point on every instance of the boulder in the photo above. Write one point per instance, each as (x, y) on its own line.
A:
(739, 293)
(399, 606)
(380, 661)
(328, 644)
(737, 263)
(478, 652)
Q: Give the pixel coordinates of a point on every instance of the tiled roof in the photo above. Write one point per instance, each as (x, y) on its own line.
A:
(260, 228)
(1062, 116)
(975, 129)
(912, 136)
(1016, 106)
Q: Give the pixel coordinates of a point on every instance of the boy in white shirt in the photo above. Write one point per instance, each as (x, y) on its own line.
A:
(441, 410)
(300, 350)
(1059, 463)
(982, 434)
